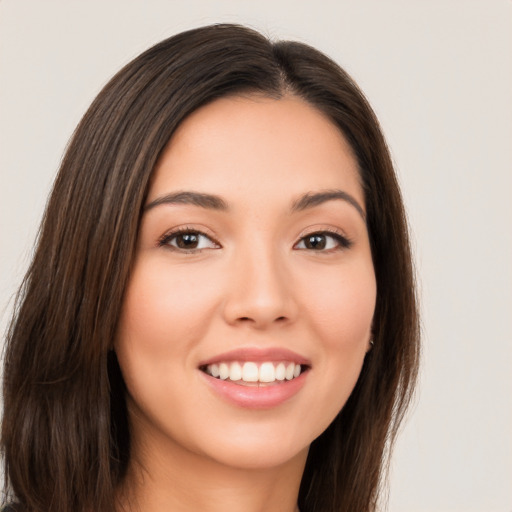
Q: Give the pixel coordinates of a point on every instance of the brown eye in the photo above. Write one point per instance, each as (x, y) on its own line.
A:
(188, 241)
(315, 242)
(323, 241)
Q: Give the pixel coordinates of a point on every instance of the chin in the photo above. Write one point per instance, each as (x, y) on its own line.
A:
(263, 445)
(264, 456)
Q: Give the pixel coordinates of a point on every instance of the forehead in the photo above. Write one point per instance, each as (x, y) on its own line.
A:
(255, 146)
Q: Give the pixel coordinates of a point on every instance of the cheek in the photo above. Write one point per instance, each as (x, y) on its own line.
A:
(340, 314)
(341, 306)
(164, 315)
(163, 310)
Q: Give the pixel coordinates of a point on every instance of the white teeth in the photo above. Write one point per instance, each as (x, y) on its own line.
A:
(280, 371)
(252, 372)
(290, 370)
(267, 372)
(223, 371)
(235, 371)
(214, 370)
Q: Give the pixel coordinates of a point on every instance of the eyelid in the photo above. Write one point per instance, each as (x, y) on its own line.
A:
(163, 241)
(340, 236)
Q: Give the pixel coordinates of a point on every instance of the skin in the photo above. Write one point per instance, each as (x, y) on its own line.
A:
(252, 282)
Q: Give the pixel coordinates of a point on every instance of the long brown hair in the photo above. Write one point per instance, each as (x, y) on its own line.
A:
(65, 435)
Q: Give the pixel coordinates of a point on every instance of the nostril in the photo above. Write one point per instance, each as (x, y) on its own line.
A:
(245, 319)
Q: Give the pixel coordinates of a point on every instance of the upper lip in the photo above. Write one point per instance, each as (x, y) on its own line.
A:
(257, 355)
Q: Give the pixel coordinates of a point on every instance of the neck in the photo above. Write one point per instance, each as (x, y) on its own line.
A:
(174, 479)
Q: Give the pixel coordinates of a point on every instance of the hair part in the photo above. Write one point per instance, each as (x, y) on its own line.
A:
(65, 433)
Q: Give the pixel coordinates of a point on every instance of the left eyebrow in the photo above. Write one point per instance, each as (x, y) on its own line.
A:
(312, 199)
(207, 201)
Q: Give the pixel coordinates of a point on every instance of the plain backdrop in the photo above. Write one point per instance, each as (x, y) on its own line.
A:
(439, 75)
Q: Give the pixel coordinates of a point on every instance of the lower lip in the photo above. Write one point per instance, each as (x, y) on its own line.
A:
(256, 397)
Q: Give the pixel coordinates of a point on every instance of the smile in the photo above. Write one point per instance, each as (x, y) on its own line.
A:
(256, 378)
(251, 373)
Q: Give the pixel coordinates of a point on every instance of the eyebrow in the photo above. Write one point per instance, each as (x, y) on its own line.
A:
(213, 202)
(312, 199)
(209, 201)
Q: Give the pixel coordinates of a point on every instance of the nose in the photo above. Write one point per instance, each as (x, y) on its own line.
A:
(260, 291)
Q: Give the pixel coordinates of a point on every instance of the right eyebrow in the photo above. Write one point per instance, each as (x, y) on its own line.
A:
(311, 200)
(209, 201)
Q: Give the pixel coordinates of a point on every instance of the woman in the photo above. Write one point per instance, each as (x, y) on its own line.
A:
(220, 312)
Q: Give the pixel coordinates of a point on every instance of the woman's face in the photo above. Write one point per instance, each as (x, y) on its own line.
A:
(253, 264)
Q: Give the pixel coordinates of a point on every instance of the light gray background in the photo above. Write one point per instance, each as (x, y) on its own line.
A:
(439, 75)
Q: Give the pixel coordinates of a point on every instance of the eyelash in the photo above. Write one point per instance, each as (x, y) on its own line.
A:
(342, 242)
(165, 240)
